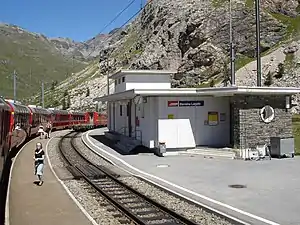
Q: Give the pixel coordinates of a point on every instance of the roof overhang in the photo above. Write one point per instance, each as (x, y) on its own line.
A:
(213, 92)
(121, 72)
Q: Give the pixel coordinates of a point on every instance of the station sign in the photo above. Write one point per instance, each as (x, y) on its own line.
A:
(172, 103)
(185, 103)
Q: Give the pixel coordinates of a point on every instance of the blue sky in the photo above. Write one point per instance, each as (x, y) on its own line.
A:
(79, 20)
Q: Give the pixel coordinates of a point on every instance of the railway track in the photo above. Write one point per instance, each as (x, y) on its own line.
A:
(137, 207)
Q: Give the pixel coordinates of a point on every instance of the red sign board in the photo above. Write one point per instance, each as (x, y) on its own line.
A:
(172, 103)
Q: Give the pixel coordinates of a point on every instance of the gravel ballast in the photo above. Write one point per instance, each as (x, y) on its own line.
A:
(189, 210)
(95, 205)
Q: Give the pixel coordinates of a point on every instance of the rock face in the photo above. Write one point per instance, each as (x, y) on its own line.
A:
(280, 68)
(192, 37)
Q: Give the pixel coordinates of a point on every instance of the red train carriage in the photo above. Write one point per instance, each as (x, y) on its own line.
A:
(60, 118)
(99, 119)
(20, 114)
(77, 118)
(38, 116)
(4, 131)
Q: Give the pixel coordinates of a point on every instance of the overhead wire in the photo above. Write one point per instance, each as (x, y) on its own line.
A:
(141, 9)
(107, 25)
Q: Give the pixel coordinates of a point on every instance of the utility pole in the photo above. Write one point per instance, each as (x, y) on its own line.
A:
(30, 75)
(43, 103)
(257, 13)
(15, 86)
(107, 78)
(232, 53)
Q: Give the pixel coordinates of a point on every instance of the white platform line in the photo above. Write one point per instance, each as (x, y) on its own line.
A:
(178, 186)
(165, 188)
(67, 190)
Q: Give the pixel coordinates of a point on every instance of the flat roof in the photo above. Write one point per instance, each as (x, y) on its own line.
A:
(212, 91)
(140, 72)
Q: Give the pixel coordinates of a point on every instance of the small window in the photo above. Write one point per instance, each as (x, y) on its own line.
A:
(116, 82)
(119, 81)
(121, 110)
(123, 79)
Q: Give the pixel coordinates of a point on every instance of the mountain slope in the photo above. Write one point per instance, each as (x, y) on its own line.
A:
(34, 57)
(191, 37)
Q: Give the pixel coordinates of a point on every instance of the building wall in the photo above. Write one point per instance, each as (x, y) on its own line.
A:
(146, 126)
(120, 84)
(189, 127)
(121, 118)
(248, 129)
(147, 82)
(142, 81)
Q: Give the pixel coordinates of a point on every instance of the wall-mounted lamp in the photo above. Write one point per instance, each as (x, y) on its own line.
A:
(288, 102)
(144, 99)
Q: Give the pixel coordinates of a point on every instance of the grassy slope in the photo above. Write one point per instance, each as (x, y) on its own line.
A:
(26, 52)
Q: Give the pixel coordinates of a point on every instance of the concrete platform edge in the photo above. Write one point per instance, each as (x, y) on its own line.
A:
(66, 189)
(86, 140)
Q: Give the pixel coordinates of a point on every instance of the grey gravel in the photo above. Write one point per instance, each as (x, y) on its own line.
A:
(99, 210)
(191, 211)
(96, 206)
(178, 205)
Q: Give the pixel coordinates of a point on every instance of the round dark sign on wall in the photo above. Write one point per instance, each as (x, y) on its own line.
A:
(267, 114)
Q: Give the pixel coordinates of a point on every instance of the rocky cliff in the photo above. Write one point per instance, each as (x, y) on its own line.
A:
(191, 37)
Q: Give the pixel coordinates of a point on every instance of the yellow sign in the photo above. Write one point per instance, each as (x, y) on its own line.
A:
(171, 116)
(213, 118)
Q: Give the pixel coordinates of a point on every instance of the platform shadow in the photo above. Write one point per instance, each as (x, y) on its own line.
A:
(140, 149)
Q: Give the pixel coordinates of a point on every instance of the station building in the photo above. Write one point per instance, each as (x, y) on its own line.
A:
(145, 107)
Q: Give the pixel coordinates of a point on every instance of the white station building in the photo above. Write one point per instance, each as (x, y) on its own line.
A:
(145, 107)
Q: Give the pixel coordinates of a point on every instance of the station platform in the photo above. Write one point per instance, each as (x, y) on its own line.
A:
(29, 204)
(18, 138)
(271, 194)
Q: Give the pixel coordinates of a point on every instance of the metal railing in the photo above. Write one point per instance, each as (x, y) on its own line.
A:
(122, 130)
(137, 134)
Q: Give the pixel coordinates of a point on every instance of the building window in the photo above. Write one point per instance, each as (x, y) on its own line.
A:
(123, 79)
(119, 81)
(116, 82)
(121, 113)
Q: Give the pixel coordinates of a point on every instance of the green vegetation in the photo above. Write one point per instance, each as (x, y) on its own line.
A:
(34, 59)
(293, 25)
(269, 79)
(241, 61)
(250, 3)
(296, 133)
(129, 48)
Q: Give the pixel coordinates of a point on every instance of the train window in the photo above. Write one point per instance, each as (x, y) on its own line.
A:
(123, 79)
(116, 82)
(120, 110)
(119, 81)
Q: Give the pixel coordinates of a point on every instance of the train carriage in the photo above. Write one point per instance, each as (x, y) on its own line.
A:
(19, 114)
(38, 116)
(99, 119)
(77, 118)
(60, 118)
(4, 131)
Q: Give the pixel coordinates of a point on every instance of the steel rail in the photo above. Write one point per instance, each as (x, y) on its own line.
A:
(125, 210)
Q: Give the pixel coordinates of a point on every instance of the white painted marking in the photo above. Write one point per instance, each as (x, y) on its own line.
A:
(174, 185)
(67, 190)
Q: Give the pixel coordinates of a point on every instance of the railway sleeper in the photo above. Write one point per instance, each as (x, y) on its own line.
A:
(94, 174)
(75, 173)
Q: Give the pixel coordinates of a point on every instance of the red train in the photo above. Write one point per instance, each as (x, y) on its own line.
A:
(29, 118)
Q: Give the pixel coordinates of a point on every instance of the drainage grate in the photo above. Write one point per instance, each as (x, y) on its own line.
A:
(162, 165)
(237, 186)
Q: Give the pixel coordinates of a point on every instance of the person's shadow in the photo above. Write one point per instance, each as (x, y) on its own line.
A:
(37, 183)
